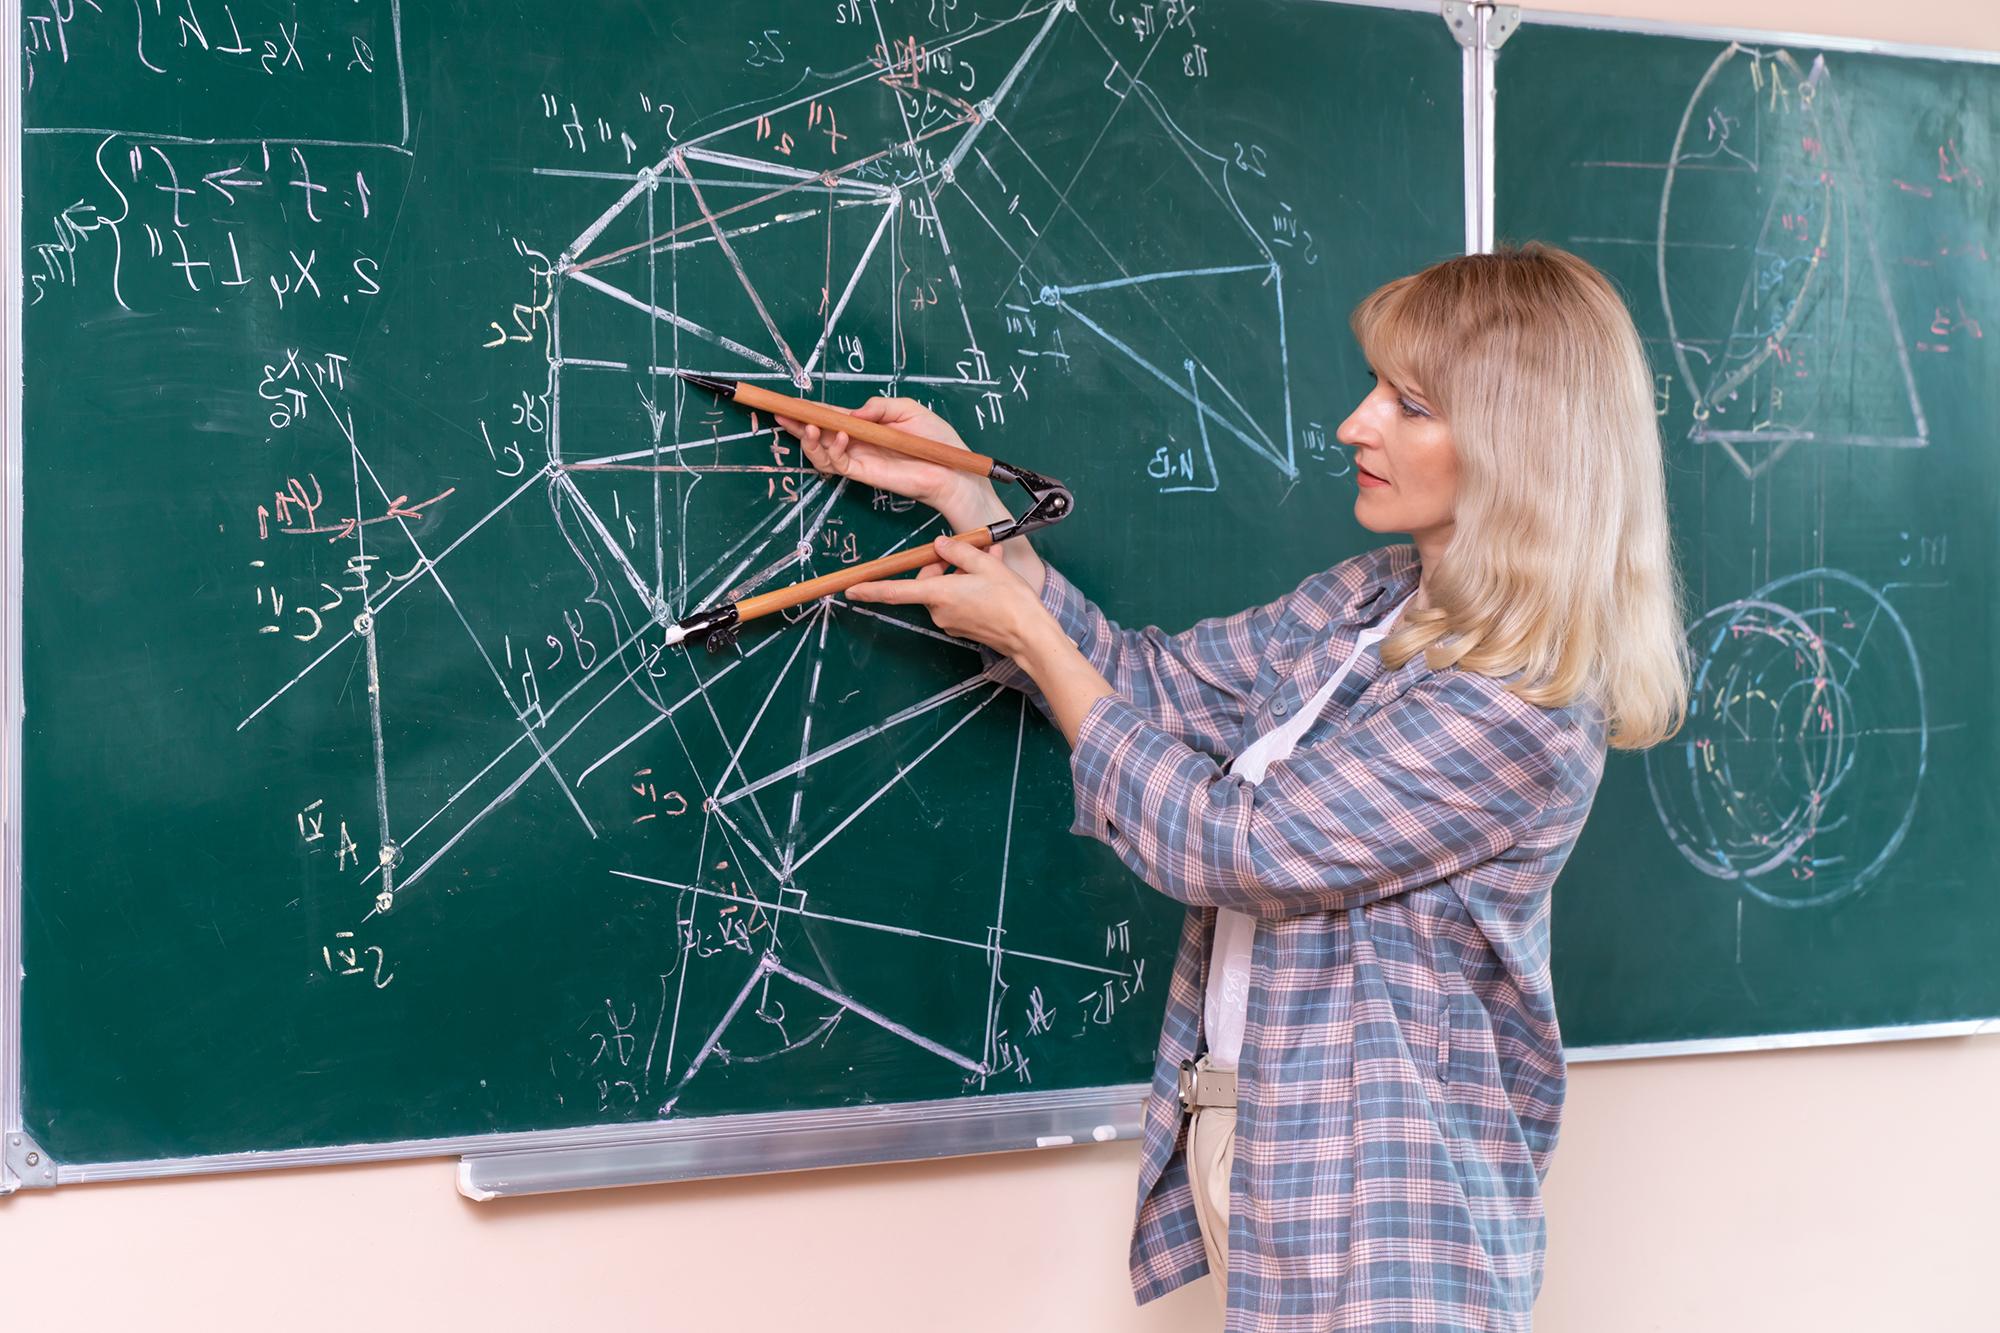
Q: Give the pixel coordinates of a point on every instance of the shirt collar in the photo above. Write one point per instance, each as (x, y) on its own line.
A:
(1387, 578)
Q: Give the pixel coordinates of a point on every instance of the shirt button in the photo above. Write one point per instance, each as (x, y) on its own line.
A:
(1279, 708)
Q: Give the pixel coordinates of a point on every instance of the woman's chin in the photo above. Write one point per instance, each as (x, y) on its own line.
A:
(1365, 515)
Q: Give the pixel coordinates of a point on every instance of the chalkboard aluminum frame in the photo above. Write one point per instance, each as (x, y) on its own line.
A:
(540, 1161)
(15, 1169)
(1726, 33)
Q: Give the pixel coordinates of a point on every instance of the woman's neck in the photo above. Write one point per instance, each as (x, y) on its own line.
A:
(1431, 545)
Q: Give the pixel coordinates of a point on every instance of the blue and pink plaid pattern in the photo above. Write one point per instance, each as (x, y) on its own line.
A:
(1402, 1073)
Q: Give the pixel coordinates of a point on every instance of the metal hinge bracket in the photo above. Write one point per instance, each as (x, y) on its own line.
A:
(23, 1165)
(1462, 17)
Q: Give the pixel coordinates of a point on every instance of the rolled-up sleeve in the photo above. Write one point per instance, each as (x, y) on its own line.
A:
(1450, 774)
(1193, 686)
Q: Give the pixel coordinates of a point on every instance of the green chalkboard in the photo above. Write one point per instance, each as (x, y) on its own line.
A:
(1807, 239)
(355, 483)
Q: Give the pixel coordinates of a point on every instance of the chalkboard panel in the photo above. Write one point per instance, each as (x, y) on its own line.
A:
(1807, 239)
(361, 803)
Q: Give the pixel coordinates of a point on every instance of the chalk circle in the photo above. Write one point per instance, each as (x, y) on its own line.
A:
(1799, 768)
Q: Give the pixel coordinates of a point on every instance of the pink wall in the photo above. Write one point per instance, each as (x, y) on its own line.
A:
(1831, 1189)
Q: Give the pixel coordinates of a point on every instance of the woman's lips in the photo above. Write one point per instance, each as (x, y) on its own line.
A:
(1367, 478)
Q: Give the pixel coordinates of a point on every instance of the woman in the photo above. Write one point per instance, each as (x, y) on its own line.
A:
(1416, 735)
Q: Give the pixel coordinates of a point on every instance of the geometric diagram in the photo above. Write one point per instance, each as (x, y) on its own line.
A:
(1792, 777)
(779, 253)
(1812, 350)
(801, 244)
(919, 178)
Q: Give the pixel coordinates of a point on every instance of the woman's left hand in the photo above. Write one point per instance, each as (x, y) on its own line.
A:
(985, 601)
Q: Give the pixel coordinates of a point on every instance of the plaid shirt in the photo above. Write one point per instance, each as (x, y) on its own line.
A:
(1402, 1074)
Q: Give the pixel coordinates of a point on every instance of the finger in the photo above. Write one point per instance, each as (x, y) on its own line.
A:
(893, 592)
(873, 409)
(966, 556)
(821, 450)
(894, 410)
(932, 571)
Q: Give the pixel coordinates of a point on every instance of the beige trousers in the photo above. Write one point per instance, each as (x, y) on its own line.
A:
(1211, 1150)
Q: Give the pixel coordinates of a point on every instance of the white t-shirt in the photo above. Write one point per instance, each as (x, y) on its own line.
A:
(1227, 1002)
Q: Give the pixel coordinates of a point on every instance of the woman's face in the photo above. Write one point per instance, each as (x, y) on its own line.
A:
(1405, 462)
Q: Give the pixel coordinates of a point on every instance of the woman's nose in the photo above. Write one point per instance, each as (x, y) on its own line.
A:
(1368, 422)
(1357, 430)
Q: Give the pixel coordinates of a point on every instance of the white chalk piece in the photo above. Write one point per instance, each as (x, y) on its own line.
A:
(1104, 1133)
(467, 1188)
(1054, 1140)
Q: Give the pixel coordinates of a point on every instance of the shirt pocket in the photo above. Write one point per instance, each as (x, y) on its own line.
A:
(1467, 1053)
(1428, 1042)
(1427, 1035)
(1452, 993)
(1419, 988)
(1444, 1043)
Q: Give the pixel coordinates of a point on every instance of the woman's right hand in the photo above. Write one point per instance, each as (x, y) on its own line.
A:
(966, 501)
(954, 494)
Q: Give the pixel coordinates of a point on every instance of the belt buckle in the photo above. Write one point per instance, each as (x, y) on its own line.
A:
(1201, 1087)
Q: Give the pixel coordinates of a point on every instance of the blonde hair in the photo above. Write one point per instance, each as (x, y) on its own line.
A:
(1560, 566)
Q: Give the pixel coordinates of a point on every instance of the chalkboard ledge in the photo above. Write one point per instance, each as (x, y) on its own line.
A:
(754, 1144)
(1778, 1041)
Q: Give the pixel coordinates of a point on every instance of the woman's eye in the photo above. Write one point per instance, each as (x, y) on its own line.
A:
(1410, 409)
